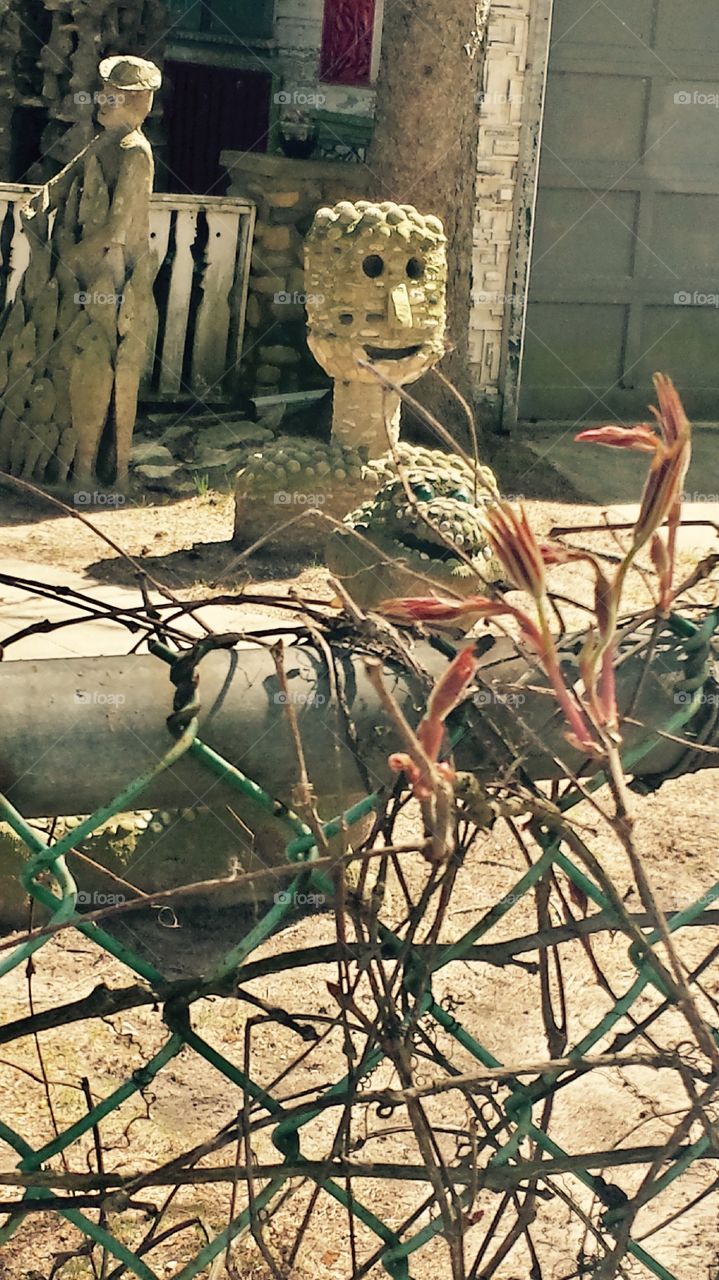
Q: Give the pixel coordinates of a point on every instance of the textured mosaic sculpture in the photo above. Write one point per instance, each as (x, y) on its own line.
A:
(376, 279)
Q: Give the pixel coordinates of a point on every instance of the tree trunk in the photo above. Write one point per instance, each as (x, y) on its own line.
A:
(424, 150)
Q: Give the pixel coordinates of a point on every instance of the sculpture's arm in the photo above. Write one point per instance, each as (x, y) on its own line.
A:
(56, 191)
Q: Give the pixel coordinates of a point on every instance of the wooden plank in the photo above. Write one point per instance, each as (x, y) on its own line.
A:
(235, 204)
(178, 303)
(19, 255)
(4, 266)
(212, 323)
(238, 300)
(159, 237)
(22, 191)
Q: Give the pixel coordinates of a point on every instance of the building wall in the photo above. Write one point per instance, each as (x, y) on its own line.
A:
(497, 179)
(298, 33)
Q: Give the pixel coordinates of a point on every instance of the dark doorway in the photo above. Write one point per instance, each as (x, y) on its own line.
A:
(209, 110)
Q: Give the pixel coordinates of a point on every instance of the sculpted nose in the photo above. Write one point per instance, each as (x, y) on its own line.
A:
(400, 308)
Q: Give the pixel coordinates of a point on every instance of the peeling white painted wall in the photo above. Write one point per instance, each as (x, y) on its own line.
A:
(497, 175)
(298, 33)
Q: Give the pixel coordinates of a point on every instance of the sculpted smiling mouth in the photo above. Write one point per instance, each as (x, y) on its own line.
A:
(428, 550)
(391, 353)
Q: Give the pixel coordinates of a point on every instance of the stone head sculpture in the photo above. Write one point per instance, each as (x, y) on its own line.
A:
(376, 280)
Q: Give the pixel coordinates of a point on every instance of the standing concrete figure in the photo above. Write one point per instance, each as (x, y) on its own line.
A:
(74, 341)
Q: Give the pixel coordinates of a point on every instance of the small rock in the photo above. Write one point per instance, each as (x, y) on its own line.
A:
(177, 437)
(158, 477)
(222, 434)
(150, 454)
(271, 415)
(279, 355)
(228, 459)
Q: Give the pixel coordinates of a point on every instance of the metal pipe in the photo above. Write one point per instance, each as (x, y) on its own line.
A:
(74, 732)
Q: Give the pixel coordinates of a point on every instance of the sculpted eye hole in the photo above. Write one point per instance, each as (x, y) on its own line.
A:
(373, 266)
(415, 268)
(346, 318)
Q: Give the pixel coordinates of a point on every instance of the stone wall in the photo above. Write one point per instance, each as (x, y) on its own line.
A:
(287, 194)
(497, 176)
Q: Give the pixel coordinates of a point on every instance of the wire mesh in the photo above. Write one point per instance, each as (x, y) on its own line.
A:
(498, 1160)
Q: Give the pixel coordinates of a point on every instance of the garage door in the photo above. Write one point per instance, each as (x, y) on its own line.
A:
(625, 268)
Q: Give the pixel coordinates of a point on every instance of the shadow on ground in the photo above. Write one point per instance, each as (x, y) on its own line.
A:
(211, 564)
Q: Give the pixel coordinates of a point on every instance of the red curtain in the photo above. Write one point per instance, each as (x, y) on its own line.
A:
(347, 42)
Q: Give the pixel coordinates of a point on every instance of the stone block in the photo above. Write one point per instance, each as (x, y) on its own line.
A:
(150, 453)
(286, 311)
(269, 284)
(268, 375)
(284, 217)
(254, 312)
(280, 356)
(158, 477)
(277, 239)
(283, 199)
(269, 264)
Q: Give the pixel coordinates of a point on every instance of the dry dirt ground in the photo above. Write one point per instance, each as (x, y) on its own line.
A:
(184, 545)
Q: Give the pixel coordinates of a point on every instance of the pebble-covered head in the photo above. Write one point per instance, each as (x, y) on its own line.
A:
(376, 284)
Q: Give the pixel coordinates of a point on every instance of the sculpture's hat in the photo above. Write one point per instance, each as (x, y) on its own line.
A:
(123, 71)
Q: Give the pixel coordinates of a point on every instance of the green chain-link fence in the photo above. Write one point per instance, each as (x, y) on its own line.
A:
(420, 965)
